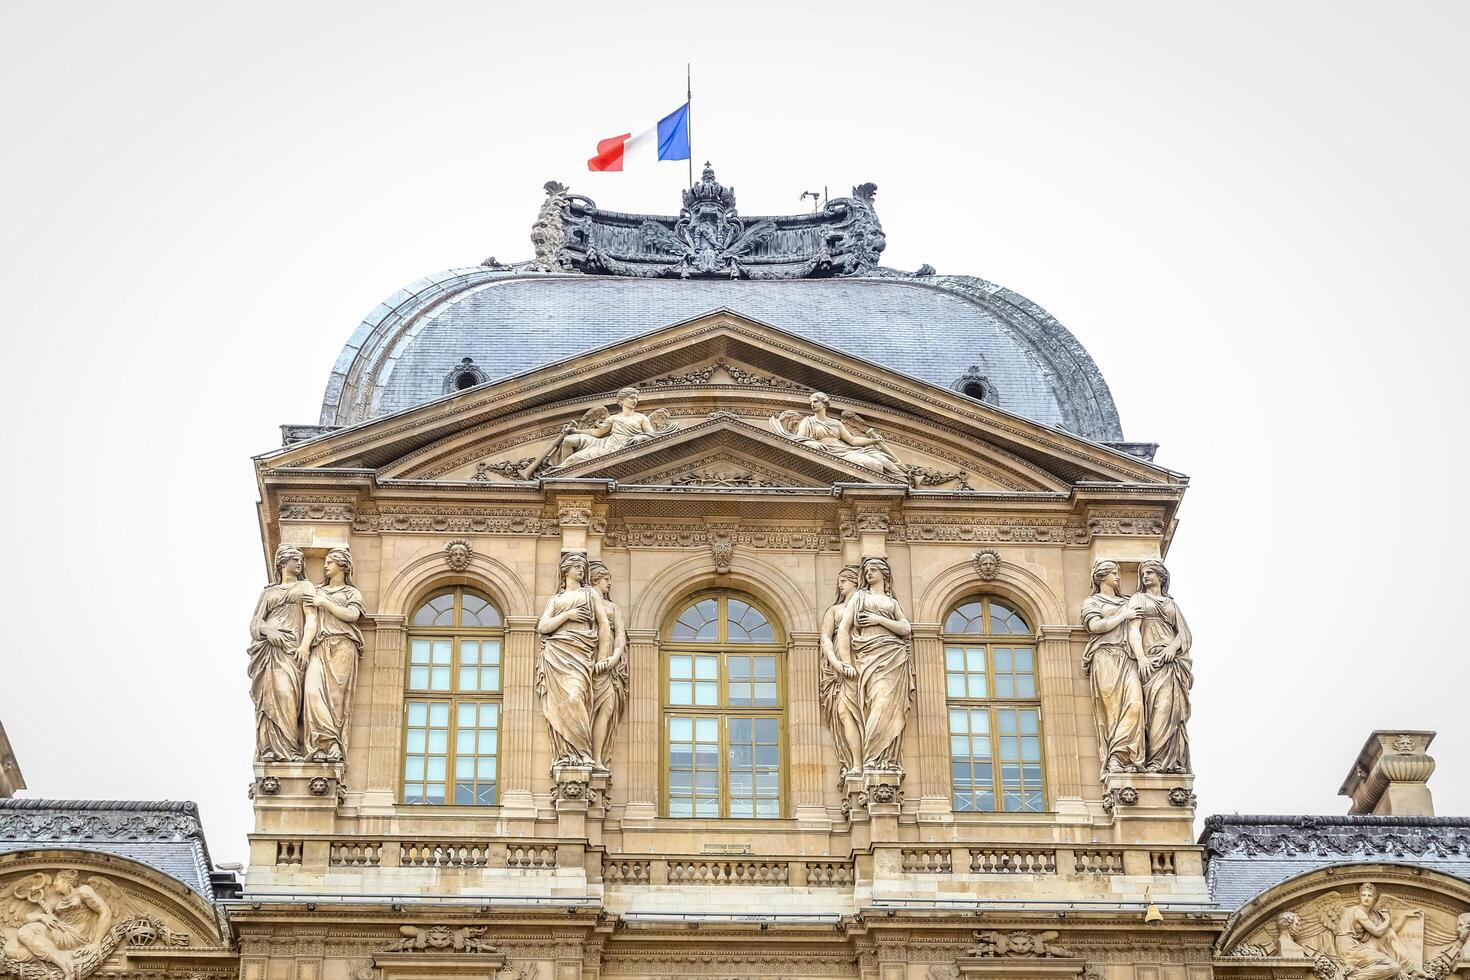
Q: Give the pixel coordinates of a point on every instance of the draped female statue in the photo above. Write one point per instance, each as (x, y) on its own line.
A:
(610, 673)
(1160, 640)
(598, 436)
(873, 636)
(331, 671)
(837, 689)
(281, 632)
(820, 431)
(1117, 685)
(573, 630)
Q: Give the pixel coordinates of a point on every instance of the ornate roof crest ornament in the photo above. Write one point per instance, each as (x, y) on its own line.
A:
(709, 238)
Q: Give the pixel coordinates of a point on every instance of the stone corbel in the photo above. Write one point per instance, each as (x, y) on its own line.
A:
(722, 544)
(574, 517)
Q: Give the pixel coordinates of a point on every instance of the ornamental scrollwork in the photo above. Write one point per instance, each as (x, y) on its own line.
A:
(441, 939)
(994, 943)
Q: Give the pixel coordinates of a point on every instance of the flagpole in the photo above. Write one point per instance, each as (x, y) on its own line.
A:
(688, 115)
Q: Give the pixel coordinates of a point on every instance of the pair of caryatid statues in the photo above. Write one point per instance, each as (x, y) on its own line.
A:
(306, 643)
(582, 673)
(866, 677)
(1138, 661)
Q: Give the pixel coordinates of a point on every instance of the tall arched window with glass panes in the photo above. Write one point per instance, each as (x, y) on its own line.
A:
(994, 708)
(723, 707)
(452, 700)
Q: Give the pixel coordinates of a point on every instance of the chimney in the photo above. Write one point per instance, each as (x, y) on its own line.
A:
(1391, 776)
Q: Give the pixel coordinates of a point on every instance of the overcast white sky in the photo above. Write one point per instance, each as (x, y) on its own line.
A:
(1252, 214)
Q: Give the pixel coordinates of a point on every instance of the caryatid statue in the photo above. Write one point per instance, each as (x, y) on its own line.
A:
(873, 635)
(1109, 661)
(331, 672)
(573, 629)
(609, 673)
(281, 633)
(1160, 641)
(837, 682)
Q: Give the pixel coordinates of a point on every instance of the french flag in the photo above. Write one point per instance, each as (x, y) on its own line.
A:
(671, 133)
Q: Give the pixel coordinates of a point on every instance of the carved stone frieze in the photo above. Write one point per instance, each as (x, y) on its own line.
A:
(1337, 837)
(126, 822)
(761, 536)
(454, 520)
(1000, 530)
(319, 508)
(1106, 525)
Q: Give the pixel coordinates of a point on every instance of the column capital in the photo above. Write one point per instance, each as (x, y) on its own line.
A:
(1062, 632)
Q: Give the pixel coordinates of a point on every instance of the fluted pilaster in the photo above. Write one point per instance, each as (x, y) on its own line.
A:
(929, 725)
(1059, 716)
(518, 722)
(642, 722)
(384, 705)
(809, 765)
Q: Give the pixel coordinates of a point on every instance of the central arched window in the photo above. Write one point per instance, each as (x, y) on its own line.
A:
(994, 708)
(451, 706)
(723, 703)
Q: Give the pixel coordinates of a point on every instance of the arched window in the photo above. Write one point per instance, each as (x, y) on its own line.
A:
(723, 710)
(994, 708)
(451, 706)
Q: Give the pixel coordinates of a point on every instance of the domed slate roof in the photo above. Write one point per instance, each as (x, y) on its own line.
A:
(601, 277)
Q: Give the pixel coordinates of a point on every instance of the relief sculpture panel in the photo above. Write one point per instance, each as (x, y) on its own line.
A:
(1365, 934)
(59, 927)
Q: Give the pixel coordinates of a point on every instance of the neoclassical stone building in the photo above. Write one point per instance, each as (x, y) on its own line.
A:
(703, 598)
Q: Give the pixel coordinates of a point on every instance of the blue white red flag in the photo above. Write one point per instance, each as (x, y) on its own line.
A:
(670, 137)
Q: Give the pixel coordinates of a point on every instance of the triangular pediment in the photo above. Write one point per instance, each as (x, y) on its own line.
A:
(721, 382)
